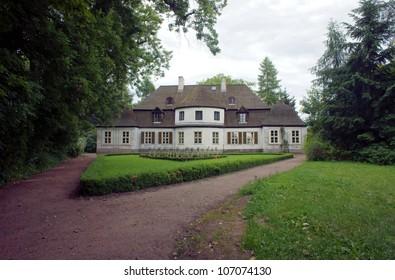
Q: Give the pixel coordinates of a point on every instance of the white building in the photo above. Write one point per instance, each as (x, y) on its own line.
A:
(226, 118)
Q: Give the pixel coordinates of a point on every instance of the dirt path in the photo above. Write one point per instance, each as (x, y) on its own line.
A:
(41, 218)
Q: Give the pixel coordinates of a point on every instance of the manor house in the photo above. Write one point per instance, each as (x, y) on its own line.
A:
(224, 118)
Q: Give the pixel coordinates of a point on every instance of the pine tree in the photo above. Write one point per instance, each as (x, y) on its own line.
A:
(268, 84)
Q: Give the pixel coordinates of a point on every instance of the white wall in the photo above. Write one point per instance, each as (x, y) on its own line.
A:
(116, 145)
(208, 116)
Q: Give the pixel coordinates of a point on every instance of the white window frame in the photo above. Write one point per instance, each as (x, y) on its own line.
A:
(125, 137)
(242, 117)
(234, 138)
(215, 138)
(148, 137)
(107, 137)
(250, 139)
(197, 137)
(165, 137)
(274, 136)
(295, 137)
(181, 137)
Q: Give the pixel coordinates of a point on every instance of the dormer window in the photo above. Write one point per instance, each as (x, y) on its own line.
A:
(157, 115)
(231, 101)
(169, 101)
(242, 114)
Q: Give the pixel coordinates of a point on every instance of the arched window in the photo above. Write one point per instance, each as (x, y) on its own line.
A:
(231, 101)
(169, 101)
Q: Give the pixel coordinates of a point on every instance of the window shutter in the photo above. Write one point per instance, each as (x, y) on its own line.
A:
(142, 138)
(160, 138)
(153, 137)
(255, 137)
(229, 138)
(170, 137)
(240, 138)
(244, 137)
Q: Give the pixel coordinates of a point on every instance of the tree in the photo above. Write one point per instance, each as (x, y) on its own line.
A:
(287, 98)
(63, 64)
(357, 103)
(268, 83)
(144, 88)
(217, 79)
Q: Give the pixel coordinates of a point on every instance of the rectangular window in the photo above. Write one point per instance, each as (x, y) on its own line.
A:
(198, 115)
(243, 118)
(217, 116)
(215, 137)
(157, 117)
(249, 139)
(181, 138)
(165, 138)
(197, 137)
(125, 137)
(273, 136)
(181, 116)
(107, 137)
(148, 137)
(234, 138)
(295, 137)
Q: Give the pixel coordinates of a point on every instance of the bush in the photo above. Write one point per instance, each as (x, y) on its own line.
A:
(318, 150)
(380, 154)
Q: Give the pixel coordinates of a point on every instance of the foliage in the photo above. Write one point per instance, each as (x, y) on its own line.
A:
(321, 211)
(144, 88)
(130, 172)
(318, 150)
(91, 141)
(269, 88)
(353, 103)
(66, 64)
(377, 154)
(217, 79)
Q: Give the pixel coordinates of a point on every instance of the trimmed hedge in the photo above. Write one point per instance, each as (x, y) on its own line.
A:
(126, 183)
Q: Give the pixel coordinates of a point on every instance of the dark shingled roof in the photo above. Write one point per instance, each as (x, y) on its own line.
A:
(259, 113)
(203, 96)
(282, 115)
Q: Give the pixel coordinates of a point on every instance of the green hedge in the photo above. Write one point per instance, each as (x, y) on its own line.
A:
(126, 183)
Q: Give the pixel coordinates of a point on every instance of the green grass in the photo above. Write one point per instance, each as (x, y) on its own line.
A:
(333, 210)
(130, 172)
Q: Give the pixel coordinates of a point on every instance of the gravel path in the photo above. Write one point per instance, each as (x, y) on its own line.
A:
(42, 218)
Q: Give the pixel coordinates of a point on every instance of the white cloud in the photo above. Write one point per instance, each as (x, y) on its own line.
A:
(289, 32)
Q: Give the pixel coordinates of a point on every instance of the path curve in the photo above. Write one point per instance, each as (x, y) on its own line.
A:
(41, 218)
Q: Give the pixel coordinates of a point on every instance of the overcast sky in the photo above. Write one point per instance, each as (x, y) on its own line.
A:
(290, 32)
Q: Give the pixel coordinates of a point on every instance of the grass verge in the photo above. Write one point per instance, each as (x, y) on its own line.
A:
(334, 210)
(130, 172)
(331, 210)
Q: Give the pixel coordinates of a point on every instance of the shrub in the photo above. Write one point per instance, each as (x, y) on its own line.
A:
(317, 149)
(378, 154)
(91, 185)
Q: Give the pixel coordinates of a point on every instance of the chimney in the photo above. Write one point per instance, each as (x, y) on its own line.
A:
(180, 84)
(223, 84)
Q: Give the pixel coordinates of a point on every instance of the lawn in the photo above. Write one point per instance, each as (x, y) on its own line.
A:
(332, 210)
(130, 172)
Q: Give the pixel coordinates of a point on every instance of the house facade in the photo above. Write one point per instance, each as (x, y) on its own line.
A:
(224, 118)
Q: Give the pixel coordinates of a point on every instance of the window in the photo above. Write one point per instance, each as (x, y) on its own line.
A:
(295, 137)
(234, 138)
(197, 137)
(125, 137)
(181, 115)
(198, 115)
(217, 116)
(157, 117)
(107, 137)
(273, 136)
(215, 137)
(165, 137)
(243, 117)
(148, 137)
(249, 138)
(181, 138)
(169, 101)
(232, 101)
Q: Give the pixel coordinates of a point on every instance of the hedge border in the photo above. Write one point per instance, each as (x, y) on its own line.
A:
(127, 183)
